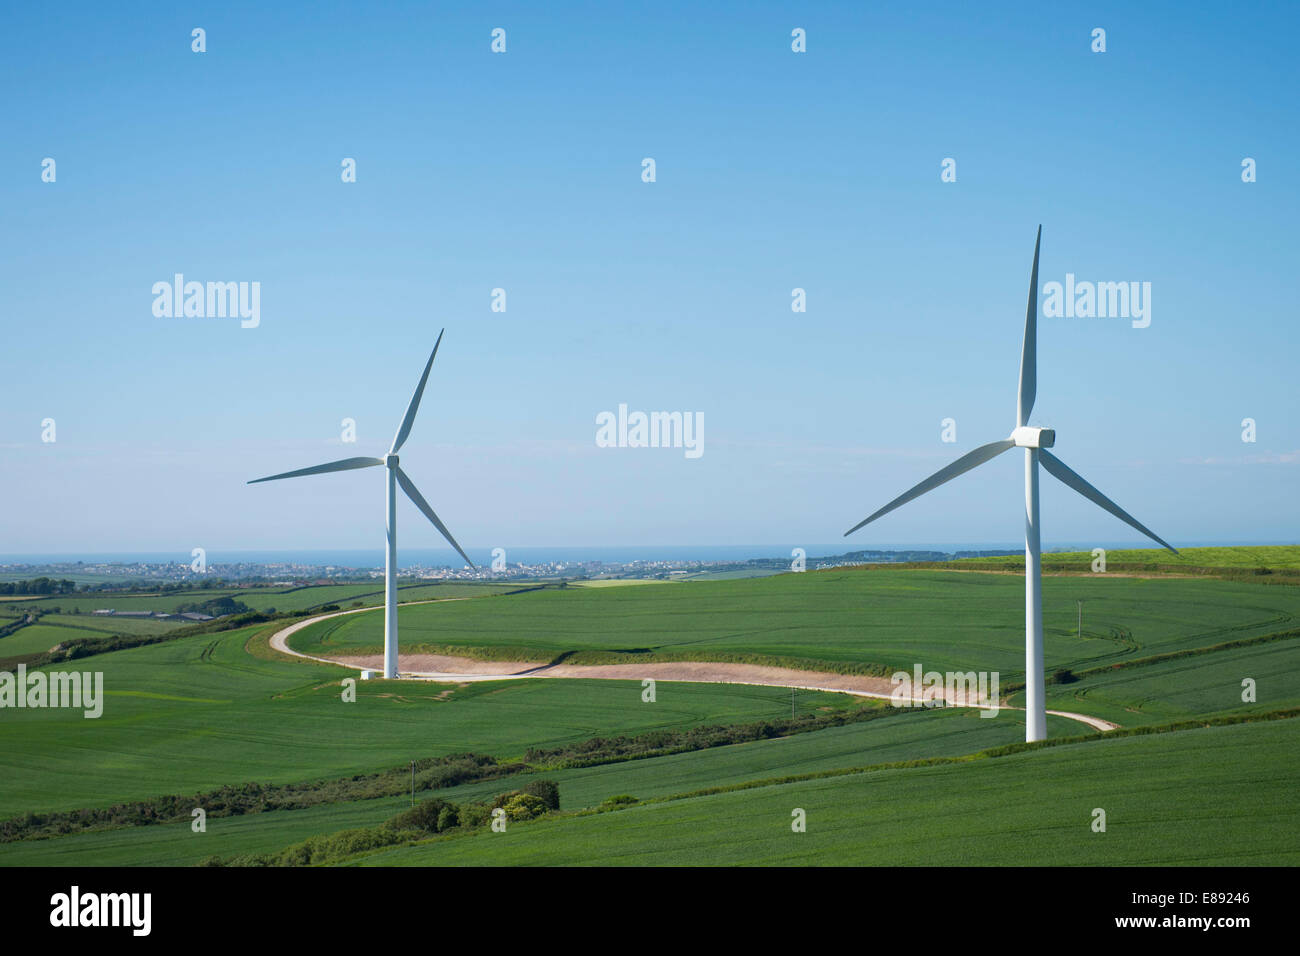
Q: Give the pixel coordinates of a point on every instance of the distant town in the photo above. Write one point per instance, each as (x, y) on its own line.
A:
(66, 577)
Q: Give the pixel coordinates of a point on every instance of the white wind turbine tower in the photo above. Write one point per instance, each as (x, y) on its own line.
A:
(1035, 442)
(395, 477)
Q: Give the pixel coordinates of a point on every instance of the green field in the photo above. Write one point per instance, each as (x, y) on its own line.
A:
(932, 734)
(199, 712)
(262, 598)
(98, 625)
(1187, 686)
(35, 638)
(892, 619)
(616, 582)
(212, 709)
(1224, 796)
(1275, 558)
(67, 618)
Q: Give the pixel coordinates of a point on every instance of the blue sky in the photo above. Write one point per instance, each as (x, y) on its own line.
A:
(522, 171)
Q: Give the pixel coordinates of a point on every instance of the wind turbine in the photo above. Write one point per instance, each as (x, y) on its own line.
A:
(1035, 442)
(395, 477)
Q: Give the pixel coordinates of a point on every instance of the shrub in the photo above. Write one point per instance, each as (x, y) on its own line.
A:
(501, 799)
(448, 818)
(524, 806)
(475, 815)
(622, 800)
(1064, 676)
(328, 607)
(217, 607)
(423, 816)
(547, 790)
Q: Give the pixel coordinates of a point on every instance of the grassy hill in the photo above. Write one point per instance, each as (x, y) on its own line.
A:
(220, 709)
(874, 621)
(918, 734)
(1222, 796)
(1265, 558)
(199, 712)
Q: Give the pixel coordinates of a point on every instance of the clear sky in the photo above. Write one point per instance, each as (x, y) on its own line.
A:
(523, 171)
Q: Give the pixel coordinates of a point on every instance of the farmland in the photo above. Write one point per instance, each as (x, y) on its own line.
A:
(65, 617)
(1268, 559)
(199, 712)
(1222, 795)
(854, 619)
(925, 735)
(259, 598)
(220, 708)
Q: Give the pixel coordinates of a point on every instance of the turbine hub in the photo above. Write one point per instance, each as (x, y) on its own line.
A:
(1028, 437)
(390, 461)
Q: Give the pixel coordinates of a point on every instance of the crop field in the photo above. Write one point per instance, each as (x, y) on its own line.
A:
(616, 582)
(880, 785)
(927, 734)
(262, 598)
(200, 712)
(66, 617)
(1189, 686)
(1272, 558)
(890, 619)
(33, 639)
(106, 624)
(1222, 795)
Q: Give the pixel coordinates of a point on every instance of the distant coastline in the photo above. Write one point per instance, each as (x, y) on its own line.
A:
(372, 558)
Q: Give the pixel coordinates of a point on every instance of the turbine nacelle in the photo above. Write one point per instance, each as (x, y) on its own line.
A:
(390, 461)
(1027, 436)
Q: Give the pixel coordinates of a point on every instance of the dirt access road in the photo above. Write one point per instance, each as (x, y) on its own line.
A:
(446, 669)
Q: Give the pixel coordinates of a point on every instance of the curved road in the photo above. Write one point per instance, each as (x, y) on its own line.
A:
(280, 642)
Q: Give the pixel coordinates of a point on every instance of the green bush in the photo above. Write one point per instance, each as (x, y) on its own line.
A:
(423, 816)
(621, 800)
(524, 806)
(501, 799)
(217, 607)
(448, 818)
(547, 790)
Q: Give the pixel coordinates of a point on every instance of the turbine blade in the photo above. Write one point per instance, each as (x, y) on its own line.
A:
(418, 500)
(409, 419)
(1029, 349)
(1067, 476)
(347, 464)
(963, 464)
